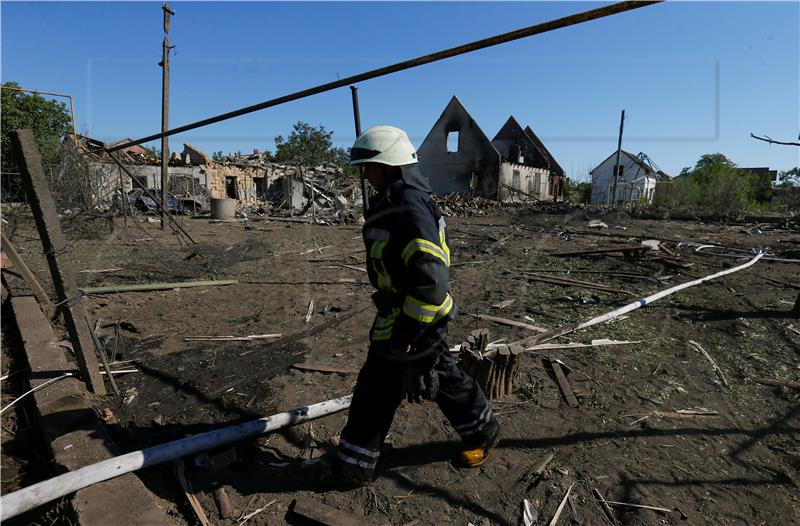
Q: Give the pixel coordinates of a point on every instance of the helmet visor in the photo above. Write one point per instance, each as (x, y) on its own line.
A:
(362, 155)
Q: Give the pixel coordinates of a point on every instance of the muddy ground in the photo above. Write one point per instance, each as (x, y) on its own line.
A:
(741, 466)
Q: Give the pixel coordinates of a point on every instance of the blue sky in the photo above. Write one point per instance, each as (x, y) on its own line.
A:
(693, 77)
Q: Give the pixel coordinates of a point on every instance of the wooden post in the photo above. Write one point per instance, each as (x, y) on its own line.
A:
(165, 47)
(124, 200)
(27, 275)
(616, 165)
(55, 247)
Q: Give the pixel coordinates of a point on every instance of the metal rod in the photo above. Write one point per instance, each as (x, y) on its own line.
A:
(544, 27)
(71, 105)
(357, 121)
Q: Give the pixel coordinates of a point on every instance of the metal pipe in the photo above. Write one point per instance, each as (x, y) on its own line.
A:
(71, 105)
(178, 228)
(20, 501)
(544, 27)
(357, 121)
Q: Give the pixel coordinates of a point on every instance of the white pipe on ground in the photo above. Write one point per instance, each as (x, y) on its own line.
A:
(12, 504)
(658, 295)
(561, 331)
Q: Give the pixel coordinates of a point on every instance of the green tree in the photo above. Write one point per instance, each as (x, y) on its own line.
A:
(48, 119)
(789, 178)
(577, 192)
(309, 146)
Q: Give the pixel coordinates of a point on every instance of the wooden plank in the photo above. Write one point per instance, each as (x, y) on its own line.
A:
(74, 433)
(55, 248)
(778, 383)
(503, 304)
(567, 282)
(111, 289)
(33, 284)
(564, 384)
(512, 323)
(322, 368)
(322, 514)
(609, 250)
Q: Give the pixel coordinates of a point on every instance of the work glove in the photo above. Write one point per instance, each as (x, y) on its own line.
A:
(419, 384)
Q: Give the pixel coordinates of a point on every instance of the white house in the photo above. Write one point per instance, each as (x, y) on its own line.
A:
(636, 181)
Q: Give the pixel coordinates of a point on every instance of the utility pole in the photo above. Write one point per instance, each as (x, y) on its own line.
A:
(357, 119)
(616, 165)
(165, 113)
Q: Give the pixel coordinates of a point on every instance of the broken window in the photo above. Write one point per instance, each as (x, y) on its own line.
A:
(261, 187)
(231, 188)
(619, 170)
(473, 181)
(452, 142)
(515, 180)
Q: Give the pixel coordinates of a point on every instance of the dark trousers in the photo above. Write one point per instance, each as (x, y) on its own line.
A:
(378, 395)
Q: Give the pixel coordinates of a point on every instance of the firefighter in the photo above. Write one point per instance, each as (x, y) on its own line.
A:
(408, 262)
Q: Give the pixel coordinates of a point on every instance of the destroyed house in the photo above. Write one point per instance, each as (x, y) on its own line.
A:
(635, 182)
(249, 180)
(458, 158)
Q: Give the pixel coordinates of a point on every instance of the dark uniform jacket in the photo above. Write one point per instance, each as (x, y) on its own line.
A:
(408, 262)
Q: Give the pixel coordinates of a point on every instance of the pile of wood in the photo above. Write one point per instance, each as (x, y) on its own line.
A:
(494, 369)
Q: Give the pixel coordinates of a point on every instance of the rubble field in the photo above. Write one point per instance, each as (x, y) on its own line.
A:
(656, 423)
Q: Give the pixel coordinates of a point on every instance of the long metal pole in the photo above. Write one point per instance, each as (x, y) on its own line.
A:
(357, 121)
(552, 25)
(616, 165)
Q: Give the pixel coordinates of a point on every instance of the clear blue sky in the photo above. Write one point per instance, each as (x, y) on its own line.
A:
(659, 63)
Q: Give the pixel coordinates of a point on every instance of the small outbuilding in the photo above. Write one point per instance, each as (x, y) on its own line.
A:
(635, 181)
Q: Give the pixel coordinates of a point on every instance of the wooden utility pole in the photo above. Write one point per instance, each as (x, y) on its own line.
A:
(357, 119)
(69, 298)
(165, 47)
(616, 165)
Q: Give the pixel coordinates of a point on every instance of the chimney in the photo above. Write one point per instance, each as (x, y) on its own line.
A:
(255, 151)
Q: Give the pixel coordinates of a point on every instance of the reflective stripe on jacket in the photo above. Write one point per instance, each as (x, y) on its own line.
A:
(408, 261)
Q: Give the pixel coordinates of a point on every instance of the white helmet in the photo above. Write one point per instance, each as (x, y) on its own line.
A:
(385, 145)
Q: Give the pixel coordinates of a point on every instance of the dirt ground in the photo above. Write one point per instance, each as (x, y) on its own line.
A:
(741, 466)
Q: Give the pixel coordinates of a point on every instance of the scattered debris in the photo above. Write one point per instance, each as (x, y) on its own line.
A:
(629, 505)
(529, 513)
(563, 383)
(604, 507)
(575, 283)
(503, 304)
(194, 502)
(778, 383)
(310, 311)
(111, 289)
(494, 374)
(594, 343)
(248, 338)
(697, 347)
(223, 503)
(512, 323)
(554, 521)
(596, 223)
(244, 518)
(322, 514)
(322, 368)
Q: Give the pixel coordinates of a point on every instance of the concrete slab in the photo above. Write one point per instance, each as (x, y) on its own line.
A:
(76, 435)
